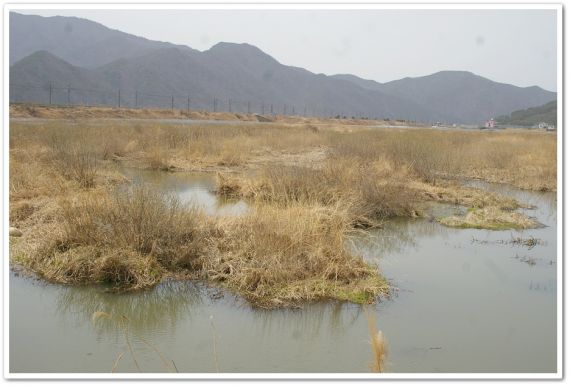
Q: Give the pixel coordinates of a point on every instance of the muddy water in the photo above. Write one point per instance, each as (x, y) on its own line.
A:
(464, 301)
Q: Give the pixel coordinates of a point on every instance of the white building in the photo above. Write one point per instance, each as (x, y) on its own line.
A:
(490, 123)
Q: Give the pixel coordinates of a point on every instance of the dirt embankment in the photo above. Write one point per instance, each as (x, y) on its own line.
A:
(91, 112)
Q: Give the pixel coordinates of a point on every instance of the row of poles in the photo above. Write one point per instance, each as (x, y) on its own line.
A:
(189, 100)
(216, 103)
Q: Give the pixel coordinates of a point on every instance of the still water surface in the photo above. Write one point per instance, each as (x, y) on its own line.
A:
(464, 301)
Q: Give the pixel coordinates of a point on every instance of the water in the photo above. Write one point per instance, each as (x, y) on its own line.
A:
(195, 189)
(464, 301)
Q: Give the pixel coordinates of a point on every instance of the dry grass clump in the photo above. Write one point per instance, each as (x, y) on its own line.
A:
(156, 145)
(158, 159)
(128, 238)
(367, 196)
(30, 179)
(133, 237)
(453, 193)
(76, 161)
(490, 218)
(228, 186)
(526, 159)
(283, 255)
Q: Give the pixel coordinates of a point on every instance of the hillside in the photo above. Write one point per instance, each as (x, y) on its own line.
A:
(460, 96)
(96, 62)
(532, 116)
(80, 42)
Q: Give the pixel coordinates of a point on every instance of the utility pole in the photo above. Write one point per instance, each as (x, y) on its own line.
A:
(215, 102)
(248, 109)
(263, 108)
(284, 109)
(136, 99)
(119, 99)
(272, 109)
(50, 90)
(188, 103)
(68, 94)
(230, 105)
(172, 103)
(293, 110)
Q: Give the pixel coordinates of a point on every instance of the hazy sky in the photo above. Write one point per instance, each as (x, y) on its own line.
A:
(510, 46)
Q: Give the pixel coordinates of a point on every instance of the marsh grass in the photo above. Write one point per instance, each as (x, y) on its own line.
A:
(368, 197)
(79, 228)
(128, 238)
(74, 158)
(524, 158)
(284, 255)
(490, 218)
(132, 238)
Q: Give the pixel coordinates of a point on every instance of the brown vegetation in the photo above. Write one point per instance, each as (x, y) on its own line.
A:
(309, 187)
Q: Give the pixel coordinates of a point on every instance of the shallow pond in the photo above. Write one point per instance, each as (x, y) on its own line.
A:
(464, 301)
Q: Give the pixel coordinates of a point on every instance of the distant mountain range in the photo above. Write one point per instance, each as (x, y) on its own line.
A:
(531, 116)
(96, 62)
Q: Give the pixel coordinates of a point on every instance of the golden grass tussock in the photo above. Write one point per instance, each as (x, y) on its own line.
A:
(127, 238)
(285, 255)
(453, 193)
(490, 218)
(134, 237)
(368, 197)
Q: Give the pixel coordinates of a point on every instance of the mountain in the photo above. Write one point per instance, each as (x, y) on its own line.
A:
(28, 80)
(460, 96)
(532, 116)
(98, 64)
(80, 42)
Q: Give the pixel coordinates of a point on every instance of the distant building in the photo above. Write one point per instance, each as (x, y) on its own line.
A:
(490, 123)
(546, 126)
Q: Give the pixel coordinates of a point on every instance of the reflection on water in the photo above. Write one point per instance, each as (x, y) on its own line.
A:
(395, 236)
(458, 306)
(163, 307)
(191, 188)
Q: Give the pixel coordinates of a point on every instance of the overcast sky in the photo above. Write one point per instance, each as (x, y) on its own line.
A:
(510, 46)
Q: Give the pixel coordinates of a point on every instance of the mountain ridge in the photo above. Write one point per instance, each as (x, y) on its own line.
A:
(239, 75)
